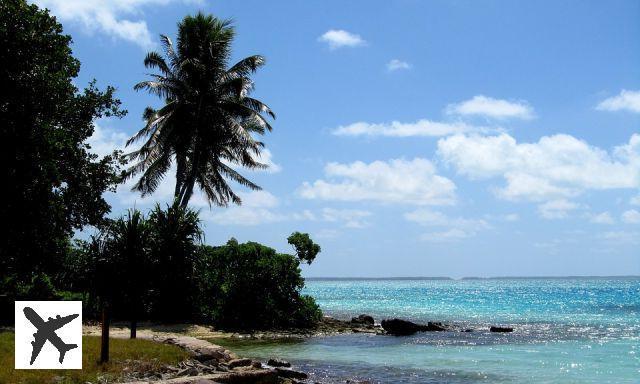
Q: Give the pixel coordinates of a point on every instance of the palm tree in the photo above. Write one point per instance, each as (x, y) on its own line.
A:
(128, 238)
(176, 240)
(208, 121)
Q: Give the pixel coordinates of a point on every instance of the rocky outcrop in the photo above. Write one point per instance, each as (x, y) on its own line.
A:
(278, 363)
(290, 373)
(239, 363)
(501, 329)
(363, 320)
(399, 327)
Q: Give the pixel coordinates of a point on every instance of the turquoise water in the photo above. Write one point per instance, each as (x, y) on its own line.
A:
(566, 331)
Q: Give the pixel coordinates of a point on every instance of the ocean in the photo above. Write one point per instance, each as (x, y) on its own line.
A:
(567, 330)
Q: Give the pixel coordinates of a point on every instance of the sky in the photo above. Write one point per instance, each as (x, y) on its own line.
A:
(442, 138)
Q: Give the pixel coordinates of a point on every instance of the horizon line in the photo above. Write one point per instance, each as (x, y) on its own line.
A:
(470, 277)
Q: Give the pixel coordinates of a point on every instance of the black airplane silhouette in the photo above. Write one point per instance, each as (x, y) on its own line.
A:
(47, 331)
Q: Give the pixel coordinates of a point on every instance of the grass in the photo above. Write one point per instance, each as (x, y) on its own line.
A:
(125, 354)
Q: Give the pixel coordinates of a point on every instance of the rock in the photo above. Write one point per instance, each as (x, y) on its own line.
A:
(435, 327)
(239, 363)
(191, 371)
(278, 363)
(290, 373)
(363, 320)
(501, 329)
(399, 327)
(256, 364)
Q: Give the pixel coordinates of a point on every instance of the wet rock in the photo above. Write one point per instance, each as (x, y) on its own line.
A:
(239, 363)
(361, 320)
(290, 373)
(434, 327)
(399, 327)
(501, 329)
(278, 363)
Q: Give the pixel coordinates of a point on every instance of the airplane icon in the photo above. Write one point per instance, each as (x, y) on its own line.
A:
(47, 331)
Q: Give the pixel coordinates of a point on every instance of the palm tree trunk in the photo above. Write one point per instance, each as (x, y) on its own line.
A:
(189, 182)
(180, 170)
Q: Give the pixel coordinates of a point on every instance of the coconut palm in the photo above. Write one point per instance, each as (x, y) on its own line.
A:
(208, 122)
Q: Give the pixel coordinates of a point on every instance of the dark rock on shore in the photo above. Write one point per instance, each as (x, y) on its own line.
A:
(399, 327)
(501, 329)
(363, 320)
(278, 363)
(239, 363)
(290, 373)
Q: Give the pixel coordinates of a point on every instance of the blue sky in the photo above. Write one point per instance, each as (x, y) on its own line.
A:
(441, 138)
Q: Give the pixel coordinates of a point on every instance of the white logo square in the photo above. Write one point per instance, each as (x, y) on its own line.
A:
(48, 335)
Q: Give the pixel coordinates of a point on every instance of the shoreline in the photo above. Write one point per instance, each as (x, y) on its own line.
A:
(212, 363)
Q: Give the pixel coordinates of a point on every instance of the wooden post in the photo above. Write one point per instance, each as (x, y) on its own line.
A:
(104, 345)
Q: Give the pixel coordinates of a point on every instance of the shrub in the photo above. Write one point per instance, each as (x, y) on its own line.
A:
(251, 286)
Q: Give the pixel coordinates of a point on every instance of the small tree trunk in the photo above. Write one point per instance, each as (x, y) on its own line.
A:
(134, 326)
(104, 345)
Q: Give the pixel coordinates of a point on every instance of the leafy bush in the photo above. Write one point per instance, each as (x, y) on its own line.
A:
(250, 286)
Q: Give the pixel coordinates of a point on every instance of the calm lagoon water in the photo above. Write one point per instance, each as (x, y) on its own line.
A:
(566, 331)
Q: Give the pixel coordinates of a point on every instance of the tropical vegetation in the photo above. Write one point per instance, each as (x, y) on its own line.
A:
(144, 265)
(208, 122)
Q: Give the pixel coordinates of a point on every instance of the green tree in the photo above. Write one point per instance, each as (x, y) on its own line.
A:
(129, 242)
(176, 239)
(208, 121)
(306, 249)
(250, 286)
(53, 184)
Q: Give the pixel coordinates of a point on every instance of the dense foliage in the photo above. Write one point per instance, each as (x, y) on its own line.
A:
(153, 266)
(306, 249)
(208, 120)
(52, 184)
(251, 286)
(164, 273)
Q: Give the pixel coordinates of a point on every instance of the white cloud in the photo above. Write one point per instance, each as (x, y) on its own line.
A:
(624, 101)
(265, 157)
(337, 38)
(556, 209)
(326, 234)
(602, 218)
(257, 208)
(635, 200)
(352, 218)
(107, 16)
(556, 167)
(396, 65)
(455, 228)
(493, 108)
(631, 216)
(621, 237)
(105, 140)
(438, 219)
(421, 127)
(511, 217)
(394, 181)
(305, 215)
(450, 235)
